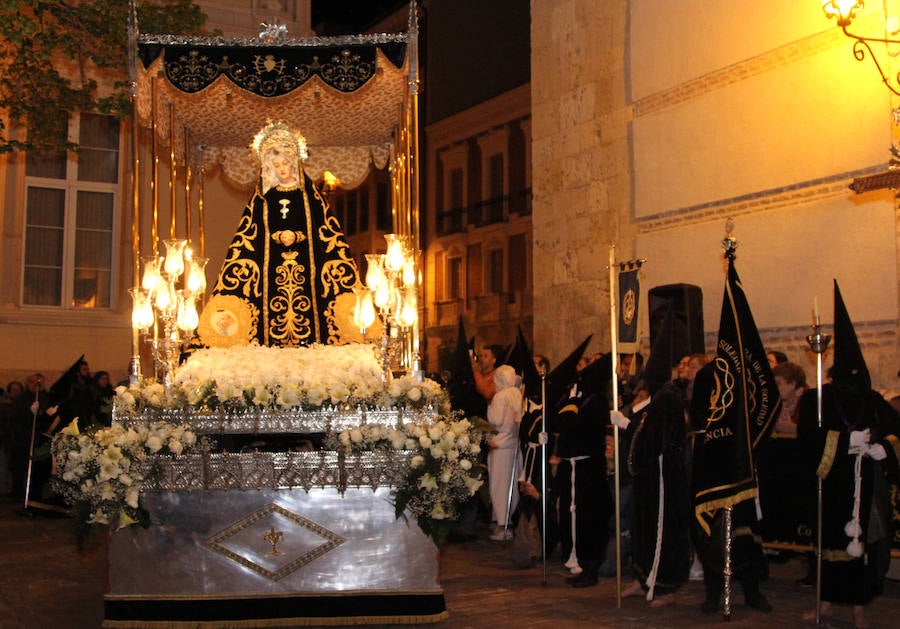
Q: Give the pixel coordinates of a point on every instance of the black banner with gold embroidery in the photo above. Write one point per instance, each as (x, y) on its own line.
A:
(629, 308)
(743, 407)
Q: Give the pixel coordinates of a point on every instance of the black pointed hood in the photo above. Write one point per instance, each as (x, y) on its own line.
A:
(60, 389)
(849, 367)
(563, 376)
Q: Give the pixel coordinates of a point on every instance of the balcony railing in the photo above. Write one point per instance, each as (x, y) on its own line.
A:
(491, 307)
(487, 212)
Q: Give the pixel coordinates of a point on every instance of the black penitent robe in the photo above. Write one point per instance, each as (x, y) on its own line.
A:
(582, 433)
(847, 579)
(288, 275)
(659, 431)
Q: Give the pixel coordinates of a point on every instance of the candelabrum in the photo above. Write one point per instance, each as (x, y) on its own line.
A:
(391, 294)
(162, 308)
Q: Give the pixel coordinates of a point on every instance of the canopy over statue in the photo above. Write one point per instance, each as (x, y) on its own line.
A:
(288, 275)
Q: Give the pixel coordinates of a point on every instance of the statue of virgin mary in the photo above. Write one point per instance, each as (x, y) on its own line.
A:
(288, 275)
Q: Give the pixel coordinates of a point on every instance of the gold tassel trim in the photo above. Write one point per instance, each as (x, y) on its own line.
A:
(831, 444)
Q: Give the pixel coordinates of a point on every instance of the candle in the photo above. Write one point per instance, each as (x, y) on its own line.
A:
(816, 311)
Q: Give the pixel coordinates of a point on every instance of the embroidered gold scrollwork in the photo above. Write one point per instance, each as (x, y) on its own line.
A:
(338, 276)
(722, 395)
(288, 324)
(242, 274)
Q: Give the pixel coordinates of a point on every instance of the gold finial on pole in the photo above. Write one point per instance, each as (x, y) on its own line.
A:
(729, 243)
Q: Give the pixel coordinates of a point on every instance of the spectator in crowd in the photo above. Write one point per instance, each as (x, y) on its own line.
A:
(103, 398)
(488, 360)
(504, 461)
(791, 381)
(776, 358)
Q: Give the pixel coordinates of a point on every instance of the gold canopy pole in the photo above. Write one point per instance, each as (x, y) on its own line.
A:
(187, 184)
(134, 371)
(413, 170)
(173, 167)
(154, 179)
(201, 216)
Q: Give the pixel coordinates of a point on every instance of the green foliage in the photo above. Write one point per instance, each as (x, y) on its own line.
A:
(53, 53)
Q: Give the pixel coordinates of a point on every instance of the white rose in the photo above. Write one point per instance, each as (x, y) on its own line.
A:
(428, 482)
(465, 464)
(131, 496)
(417, 461)
(424, 441)
(472, 484)
(175, 446)
(356, 435)
(154, 443)
(414, 394)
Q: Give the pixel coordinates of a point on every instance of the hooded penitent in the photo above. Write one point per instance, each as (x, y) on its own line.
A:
(852, 449)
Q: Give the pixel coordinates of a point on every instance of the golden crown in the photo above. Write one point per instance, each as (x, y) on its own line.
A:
(278, 135)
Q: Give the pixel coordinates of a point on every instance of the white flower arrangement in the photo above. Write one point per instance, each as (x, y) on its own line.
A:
(100, 472)
(444, 472)
(306, 378)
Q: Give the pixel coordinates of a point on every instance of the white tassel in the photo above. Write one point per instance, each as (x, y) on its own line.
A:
(853, 528)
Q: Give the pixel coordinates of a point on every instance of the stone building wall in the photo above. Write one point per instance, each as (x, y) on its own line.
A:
(655, 122)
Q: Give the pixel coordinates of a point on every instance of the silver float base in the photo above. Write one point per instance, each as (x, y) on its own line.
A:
(267, 558)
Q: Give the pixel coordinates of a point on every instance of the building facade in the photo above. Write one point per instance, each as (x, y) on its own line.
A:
(653, 123)
(478, 225)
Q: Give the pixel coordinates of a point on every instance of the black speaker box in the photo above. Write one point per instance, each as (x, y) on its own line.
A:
(686, 333)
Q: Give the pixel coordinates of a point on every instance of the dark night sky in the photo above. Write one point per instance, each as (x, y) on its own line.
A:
(348, 17)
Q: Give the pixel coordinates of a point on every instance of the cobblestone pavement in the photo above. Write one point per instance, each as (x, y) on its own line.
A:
(46, 582)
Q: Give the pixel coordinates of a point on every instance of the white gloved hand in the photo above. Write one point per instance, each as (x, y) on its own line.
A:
(52, 410)
(542, 438)
(876, 452)
(34, 407)
(859, 438)
(618, 419)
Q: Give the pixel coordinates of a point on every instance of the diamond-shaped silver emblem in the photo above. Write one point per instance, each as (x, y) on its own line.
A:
(274, 541)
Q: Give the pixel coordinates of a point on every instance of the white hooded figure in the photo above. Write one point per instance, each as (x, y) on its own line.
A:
(504, 463)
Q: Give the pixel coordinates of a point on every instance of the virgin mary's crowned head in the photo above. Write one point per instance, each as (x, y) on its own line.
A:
(274, 140)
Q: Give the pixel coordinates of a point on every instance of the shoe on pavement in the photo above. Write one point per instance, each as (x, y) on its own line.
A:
(501, 535)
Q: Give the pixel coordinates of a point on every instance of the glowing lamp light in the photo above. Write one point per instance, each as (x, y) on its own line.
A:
(151, 278)
(842, 10)
(409, 272)
(367, 310)
(174, 263)
(408, 311)
(382, 295)
(374, 271)
(395, 258)
(331, 182)
(196, 279)
(188, 318)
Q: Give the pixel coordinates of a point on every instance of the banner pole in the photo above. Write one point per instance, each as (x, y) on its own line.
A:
(613, 333)
(818, 342)
(544, 484)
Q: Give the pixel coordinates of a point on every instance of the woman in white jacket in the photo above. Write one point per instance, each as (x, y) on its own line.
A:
(504, 463)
